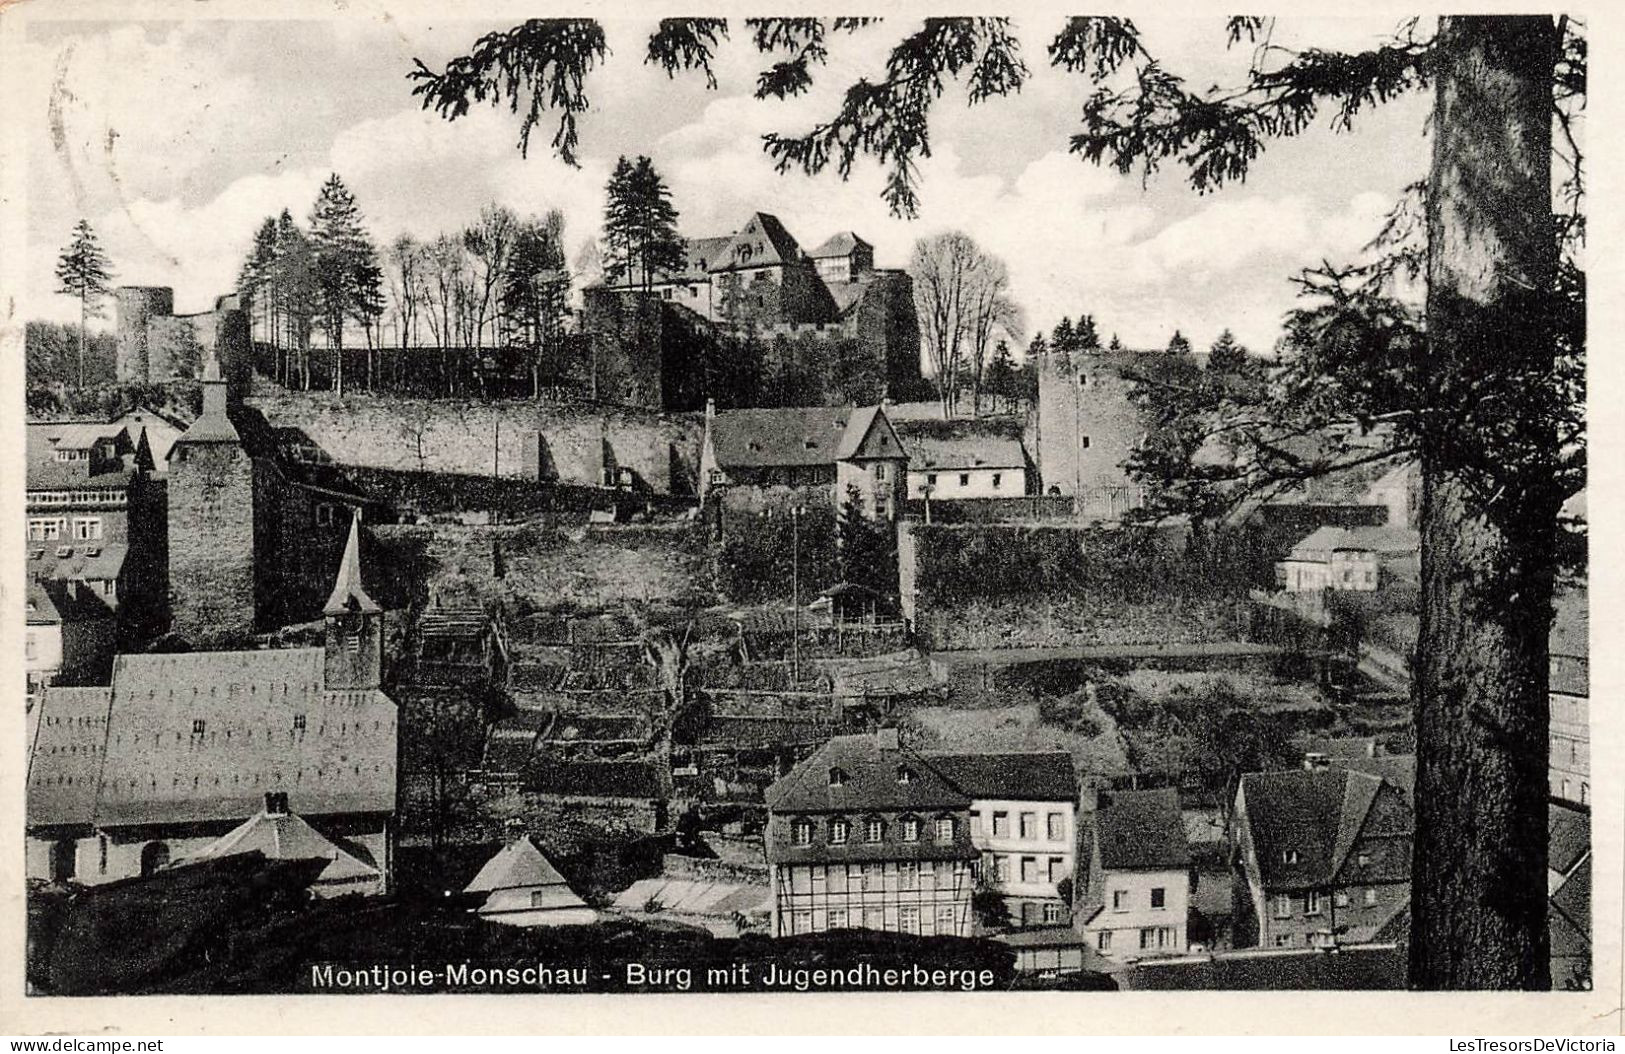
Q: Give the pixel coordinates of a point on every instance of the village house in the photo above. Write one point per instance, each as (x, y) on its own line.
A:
(950, 460)
(70, 638)
(867, 834)
(1135, 899)
(181, 749)
(519, 886)
(1350, 559)
(96, 520)
(1319, 856)
(807, 454)
(1023, 823)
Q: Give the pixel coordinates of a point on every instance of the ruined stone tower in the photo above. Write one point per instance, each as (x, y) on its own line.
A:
(211, 522)
(1086, 427)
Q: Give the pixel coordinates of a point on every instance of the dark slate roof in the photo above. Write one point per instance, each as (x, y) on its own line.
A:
(1141, 831)
(1318, 814)
(157, 770)
(1568, 837)
(842, 244)
(865, 421)
(793, 435)
(1387, 541)
(592, 779)
(933, 453)
(65, 758)
(871, 765)
(1573, 899)
(87, 560)
(55, 601)
(777, 243)
(701, 256)
(1046, 776)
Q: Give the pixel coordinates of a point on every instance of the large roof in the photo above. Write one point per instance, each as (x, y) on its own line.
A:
(1305, 822)
(781, 436)
(1385, 541)
(91, 561)
(929, 452)
(1141, 831)
(284, 836)
(871, 778)
(767, 239)
(842, 244)
(1045, 776)
(203, 736)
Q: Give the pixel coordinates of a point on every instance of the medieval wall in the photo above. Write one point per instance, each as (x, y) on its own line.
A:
(157, 345)
(570, 442)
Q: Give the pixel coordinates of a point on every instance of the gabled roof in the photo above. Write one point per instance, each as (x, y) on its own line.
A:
(869, 434)
(1568, 837)
(520, 864)
(65, 757)
(701, 256)
(1039, 776)
(159, 768)
(870, 779)
(212, 426)
(1316, 815)
(284, 836)
(842, 244)
(764, 229)
(776, 437)
(1141, 831)
(1386, 541)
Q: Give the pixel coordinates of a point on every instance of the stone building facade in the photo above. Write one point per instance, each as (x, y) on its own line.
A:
(1085, 429)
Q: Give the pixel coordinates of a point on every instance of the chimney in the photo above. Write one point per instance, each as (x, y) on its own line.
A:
(710, 409)
(276, 803)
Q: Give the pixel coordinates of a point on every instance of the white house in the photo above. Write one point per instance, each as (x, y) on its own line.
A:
(1345, 558)
(1137, 887)
(523, 888)
(949, 460)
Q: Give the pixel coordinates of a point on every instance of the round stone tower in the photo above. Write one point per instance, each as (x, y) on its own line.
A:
(136, 307)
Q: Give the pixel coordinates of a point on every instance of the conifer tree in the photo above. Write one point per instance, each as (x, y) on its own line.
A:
(1179, 344)
(346, 266)
(1226, 355)
(641, 242)
(82, 272)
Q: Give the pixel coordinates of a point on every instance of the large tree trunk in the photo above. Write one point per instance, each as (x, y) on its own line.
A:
(1489, 512)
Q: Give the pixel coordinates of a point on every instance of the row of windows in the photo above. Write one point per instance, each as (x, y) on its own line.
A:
(964, 479)
(1123, 901)
(85, 529)
(908, 917)
(873, 830)
(1030, 872)
(1152, 938)
(1314, 902)
(1054, 825)
(100, 496)
(871, 877)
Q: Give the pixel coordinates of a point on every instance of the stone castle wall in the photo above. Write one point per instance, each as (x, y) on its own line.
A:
(155, 345)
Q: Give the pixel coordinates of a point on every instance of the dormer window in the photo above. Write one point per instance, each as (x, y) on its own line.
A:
(837, 776)
(905, 775)
(874, 831)
(1289, 856)
(911, 830)
(801, 831)
(839, 832)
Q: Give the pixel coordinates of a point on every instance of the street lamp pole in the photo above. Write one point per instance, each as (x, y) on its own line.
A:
(795, 596)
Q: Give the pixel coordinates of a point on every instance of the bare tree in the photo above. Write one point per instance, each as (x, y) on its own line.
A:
(443, 279)
(489, 243)
(405, 285)
(960, 295)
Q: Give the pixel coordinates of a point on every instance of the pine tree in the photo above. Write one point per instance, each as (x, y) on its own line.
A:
(346, 264)
(255, 275)
(640, 226)
(1062, 337)
(82, 272)
(1179, 344)
(1226, 355)
(1115, 345)
(1084, 336)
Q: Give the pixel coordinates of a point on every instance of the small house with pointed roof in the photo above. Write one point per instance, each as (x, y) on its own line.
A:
(1346, 558)
(843, 257)
(1320, 856)
(868, 834)
(521, 887)
(820, 451)
(277, 834)
(1135, 896)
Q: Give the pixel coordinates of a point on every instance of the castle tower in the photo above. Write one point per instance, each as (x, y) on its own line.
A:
(355, 638)
(211, 523)
(136, 306)
(1087, 426)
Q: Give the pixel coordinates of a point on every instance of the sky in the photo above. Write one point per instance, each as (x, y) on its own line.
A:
(175, 139)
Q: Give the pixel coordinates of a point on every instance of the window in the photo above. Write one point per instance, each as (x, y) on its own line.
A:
(1364, 859)
(101, 853)
(975, 823)
(1001, 824)
(45, 530)
(997, 476)
(837, 776)
(964, 479)
(1001, 868)
(880, 471)
(1057, 827)
(1057, 868)
(298, 722)
(871, 878)
(1370, 897)
(930, 479)
(874, 831)
(324, 514)
(1052, 912)
(1159, 897)
(839, 831)
(911, 830)
(905, 775)
(802, 832)
(87, 530)
(947, 923)
(718, 476)
(1283, 940)
(801, 922)
(1148, 938)
(1283, 906)
(1311, 903)
(1340, 899)
(352, 643)
(197, 726)
(1029, 869)
(1029, 826)
(1119, 900)
(945, 829)
(1289, 856)
(835, 919)
(1103, 940)
(908, 918)
(1084, 442)
(908, 875)
(30, 647)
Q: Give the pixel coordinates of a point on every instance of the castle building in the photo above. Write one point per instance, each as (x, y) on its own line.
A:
(759, 281)
(181, 750)
(1086, 428)
(155, 345)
